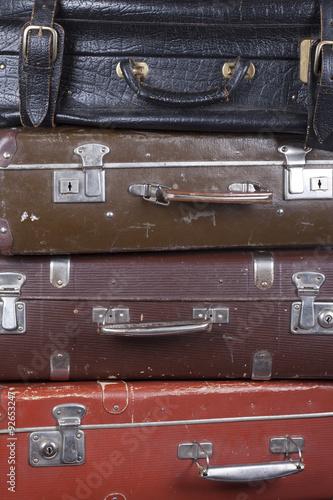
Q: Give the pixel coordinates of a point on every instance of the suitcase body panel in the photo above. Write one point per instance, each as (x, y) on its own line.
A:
(76, 318)
(33, 180)
(127, 424)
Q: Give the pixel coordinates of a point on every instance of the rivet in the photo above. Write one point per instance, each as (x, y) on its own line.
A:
(279, 211)
(35, 460)
(200, 315)
(80, 150)
(79, 410)
(35, 437)
(294, 97)
(121, 315)
(2, 66)
(20, 307)
(59, 355)
(78, 435)
(296, 329)
(3, 230)
(19, 277)
(264, 284)
(58, 412)
(79, 457)
(220, 316)
(296, 306)
(110, 214)
(103, 150)
(60, 282)
(310, 401)
(69, 92)
(284, 149)
(6, 155)
(20, 328)
(116, 407)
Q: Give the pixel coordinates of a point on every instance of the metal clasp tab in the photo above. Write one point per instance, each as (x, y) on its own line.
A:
(304, 183)
(87, 185)
(308, 286)
(40, 29)
(12, 312)
(65, 446)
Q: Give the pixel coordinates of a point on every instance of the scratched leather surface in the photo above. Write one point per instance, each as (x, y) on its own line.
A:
(185, 45)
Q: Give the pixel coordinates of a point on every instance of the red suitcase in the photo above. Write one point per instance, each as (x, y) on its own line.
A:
(178, 315)
(146, 440)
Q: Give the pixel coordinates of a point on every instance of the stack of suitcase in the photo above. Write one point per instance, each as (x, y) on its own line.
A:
(166, 277)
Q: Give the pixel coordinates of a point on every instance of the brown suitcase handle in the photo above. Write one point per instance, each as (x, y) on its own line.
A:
(156, 329)
(239, 193)
(185, 98)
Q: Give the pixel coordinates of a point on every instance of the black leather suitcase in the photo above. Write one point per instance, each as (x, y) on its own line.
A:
(192, 65)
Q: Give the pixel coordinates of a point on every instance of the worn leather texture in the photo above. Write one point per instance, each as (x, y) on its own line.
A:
(320, 127)
(185, 45)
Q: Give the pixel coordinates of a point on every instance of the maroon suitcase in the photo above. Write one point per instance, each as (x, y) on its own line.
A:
(181, 440)
(177, 315)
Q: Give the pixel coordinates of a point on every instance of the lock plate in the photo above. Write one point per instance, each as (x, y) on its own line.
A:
(69, 187)
(323, 314)
(301, 182)
(62, 447)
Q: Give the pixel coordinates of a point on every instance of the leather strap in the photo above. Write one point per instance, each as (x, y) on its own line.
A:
(39, 74)
(320, 128)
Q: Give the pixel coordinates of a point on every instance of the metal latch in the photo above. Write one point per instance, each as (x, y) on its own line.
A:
(86, 185)
(309, 316)
(12, 310)
(65, 446)
(304, 183)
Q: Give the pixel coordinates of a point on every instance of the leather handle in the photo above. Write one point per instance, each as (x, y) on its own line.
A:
(156, 329)
(252, 472)
(182, 98)
(225, 197)
(239, 193)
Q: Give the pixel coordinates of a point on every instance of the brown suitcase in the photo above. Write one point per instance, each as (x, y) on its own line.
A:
(176, 315)
(80, 191)
(147, 440)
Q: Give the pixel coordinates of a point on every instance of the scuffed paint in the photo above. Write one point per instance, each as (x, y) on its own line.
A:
(24, 216)
(190, 217)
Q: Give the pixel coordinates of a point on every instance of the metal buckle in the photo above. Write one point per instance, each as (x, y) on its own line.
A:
(40, 29)
(317, 55)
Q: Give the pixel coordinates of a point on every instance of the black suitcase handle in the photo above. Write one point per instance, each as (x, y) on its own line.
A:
(154, 94)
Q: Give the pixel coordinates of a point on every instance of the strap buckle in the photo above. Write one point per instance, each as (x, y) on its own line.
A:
(318, 54)
(40, 29)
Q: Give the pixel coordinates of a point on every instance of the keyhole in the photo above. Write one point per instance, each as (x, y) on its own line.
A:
(70, 186)
(319, 183)
(328, 319)
(49, 450)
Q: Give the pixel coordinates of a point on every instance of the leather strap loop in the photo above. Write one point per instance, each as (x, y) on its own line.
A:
(40, 65)
(320, 129)
(172, 97)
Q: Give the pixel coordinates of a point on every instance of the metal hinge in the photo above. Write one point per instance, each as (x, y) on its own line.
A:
(304, 183)
(12, 310)
(86, 185)
(65, 446)
(309, 316)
